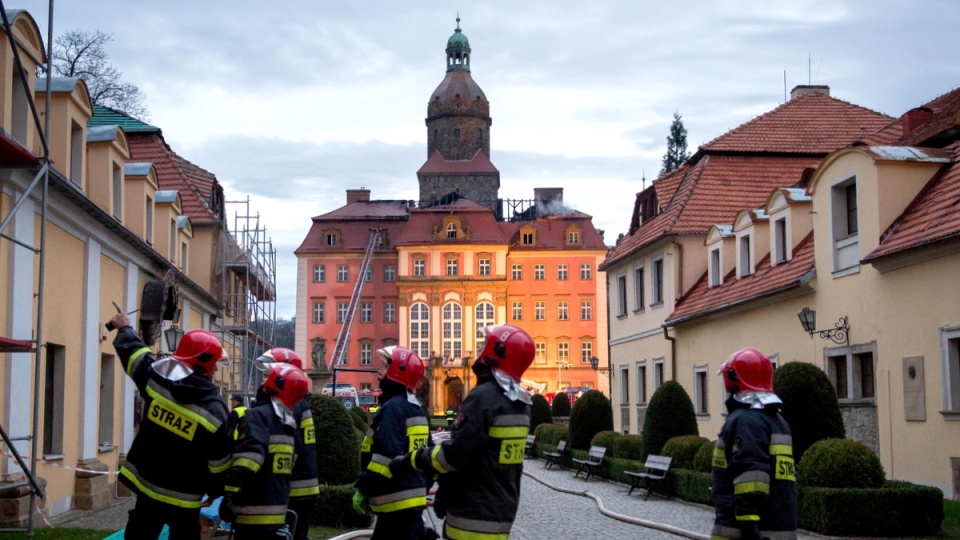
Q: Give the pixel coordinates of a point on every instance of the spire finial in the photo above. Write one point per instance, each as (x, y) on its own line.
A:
(458, 20)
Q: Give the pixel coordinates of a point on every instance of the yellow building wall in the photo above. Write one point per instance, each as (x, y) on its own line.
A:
(112, 282)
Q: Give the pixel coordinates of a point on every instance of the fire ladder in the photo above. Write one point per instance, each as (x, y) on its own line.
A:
(343, 339)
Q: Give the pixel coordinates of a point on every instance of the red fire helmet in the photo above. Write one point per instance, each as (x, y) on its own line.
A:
(747, 370)
(286, 382)
(282, 355)
(403, 365)
(201, 350)
(509, 349)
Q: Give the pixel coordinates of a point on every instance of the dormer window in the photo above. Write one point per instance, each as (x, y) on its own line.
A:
(744, 257)
(846, 227)
(117, 192)
(780, 240)
(528, 236)
(573, 237)
(451, 230)
(715, 267)
(331, 239)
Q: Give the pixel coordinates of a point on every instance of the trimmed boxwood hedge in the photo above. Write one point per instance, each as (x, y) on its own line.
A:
(334, 508)
(683, 449)
(896, 509)
(629, 447)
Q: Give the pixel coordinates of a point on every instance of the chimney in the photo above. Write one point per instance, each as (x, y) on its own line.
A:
(802, 89)
(914, 118)
(358, 195)
(545, 195)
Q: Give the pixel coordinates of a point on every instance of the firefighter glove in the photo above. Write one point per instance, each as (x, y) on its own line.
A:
(360, 504)
(227, 512)
(401, 465)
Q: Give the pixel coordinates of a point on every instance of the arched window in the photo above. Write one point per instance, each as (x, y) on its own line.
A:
(420, 330)
(452, 331)
(483, 318)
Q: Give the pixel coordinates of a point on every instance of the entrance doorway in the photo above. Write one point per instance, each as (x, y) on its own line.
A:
(453, 392)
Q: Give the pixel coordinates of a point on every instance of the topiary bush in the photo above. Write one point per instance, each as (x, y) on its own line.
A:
(629, 447)
(608, 440)
(334, 508)
(703, 459)
(840, 463)
(669, 414)
(683, 449)
(810, 405)
(590, 415)
(560, 405)
(551, 434)
(359, 419)
(539, 412)
(338, 452)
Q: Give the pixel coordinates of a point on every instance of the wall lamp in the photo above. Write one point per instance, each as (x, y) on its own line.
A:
(172, 337)
(595, 364)
(839, 334)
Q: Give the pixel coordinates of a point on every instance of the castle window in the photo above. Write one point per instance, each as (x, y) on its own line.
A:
(456, 133)
(527, 239)
(479, 134)
(331, 239)
(451, 230)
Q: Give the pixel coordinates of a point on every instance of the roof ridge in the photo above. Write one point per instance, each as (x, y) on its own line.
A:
(689, 192)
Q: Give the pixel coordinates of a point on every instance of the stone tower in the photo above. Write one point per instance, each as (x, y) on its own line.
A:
(458, 135)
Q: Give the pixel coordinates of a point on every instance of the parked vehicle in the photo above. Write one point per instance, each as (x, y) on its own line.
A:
(346, 393)
(368, 398)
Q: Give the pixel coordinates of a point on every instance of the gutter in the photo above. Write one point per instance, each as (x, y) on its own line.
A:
(673, 352)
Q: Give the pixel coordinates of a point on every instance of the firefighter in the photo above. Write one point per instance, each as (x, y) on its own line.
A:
(183, 439)
(754, 479)
(236, 413)
(481, 464)
(400, 426)
(304, 483)
(257, 485)
(450, 415)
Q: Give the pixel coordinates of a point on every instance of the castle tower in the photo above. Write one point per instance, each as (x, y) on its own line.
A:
(458, 134)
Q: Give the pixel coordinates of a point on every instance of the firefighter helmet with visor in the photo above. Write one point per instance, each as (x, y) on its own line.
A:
(201, 350)
(747, 370)
(509, 349)
(403, 365)
(285, 382)
(282, 355)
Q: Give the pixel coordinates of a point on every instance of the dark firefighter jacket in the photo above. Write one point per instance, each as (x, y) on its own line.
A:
(303, 480)
(754, 478)
(399, 427)
(481, 464)
(183, 440)
(258, 480)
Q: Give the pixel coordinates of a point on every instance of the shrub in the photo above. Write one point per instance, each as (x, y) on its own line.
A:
(703, 459)
(606, 439)
(810, 405)
(669, 414)
(683, 449)
(898, 509)
(359, 419)
(560, 405)
(539, 412)
(551, 434)
(840, 463)
(629, 447)
(590, 415)
(334, 508)
(338, 452)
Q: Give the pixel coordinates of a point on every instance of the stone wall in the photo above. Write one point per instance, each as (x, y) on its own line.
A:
(860, 421)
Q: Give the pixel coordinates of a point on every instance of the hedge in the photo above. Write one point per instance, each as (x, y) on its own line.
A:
(334, 508)
(897, 509)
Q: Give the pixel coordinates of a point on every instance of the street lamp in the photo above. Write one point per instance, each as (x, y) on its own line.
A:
(561, 365)
(595, 364)
(839, 334)
(172, 337)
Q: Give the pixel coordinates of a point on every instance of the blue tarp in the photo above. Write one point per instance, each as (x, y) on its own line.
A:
(212, 512)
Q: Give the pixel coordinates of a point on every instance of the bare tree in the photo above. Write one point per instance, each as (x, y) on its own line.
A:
(83, 54)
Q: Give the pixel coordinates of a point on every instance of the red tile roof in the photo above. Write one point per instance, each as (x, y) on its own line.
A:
(931, 217)
(354, 222)
(479, 163)
(809, 124)
(477, 221)
(195, 184)
(551, 230)
(946, 116)
(766, 281)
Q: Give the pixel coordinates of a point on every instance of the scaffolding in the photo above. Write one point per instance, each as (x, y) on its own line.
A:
(248, 274)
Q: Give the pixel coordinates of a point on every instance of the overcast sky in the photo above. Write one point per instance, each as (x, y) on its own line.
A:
(293, 102)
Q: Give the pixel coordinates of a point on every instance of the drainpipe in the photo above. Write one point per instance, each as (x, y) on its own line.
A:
(679, 269)
(673, 352)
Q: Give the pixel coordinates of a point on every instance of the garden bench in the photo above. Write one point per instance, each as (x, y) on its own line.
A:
(654, 471)
(592, 463)
(555, 458)
(529, 449)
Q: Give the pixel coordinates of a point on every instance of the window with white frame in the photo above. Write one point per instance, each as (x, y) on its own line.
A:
(527, 238)
(950, 367)
(389, 312)
(638, 289)
(621, 295)
(453, 266)
(183, 256)
(624, 385)
(484, 267)
(173, 240)
(539, 272)
(366, 312)
(451, 230)
(715, 267)
(780, 240)
(845, 226)
(148, 211)
(563, 352)
(53, 402)
(641, 382)
(330, 239)
(516, 310)
(657, 278)
(452, 331)
(516, 272)
(586, 352)
(539, 311)
(419, 266)
(562, 272)
(368, 275)
(318, 308)
(541, 353)
(389, 272)
(76, 153)
(117, 192)
(563, 310)
(319, 273)
(852, 370)
(341, 311)
(483, 317)
(108, 364)
(420, 329)
(701, 403)
(586, 271)
(343, 272)
(366, 354)
(366, 387)
(746, 268)
(586, 310)
(657, 373)
(573, 237)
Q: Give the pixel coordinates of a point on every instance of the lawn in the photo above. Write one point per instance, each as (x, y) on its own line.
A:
(950, 528)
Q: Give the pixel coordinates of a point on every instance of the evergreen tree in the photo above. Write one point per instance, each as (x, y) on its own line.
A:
(676, 145)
